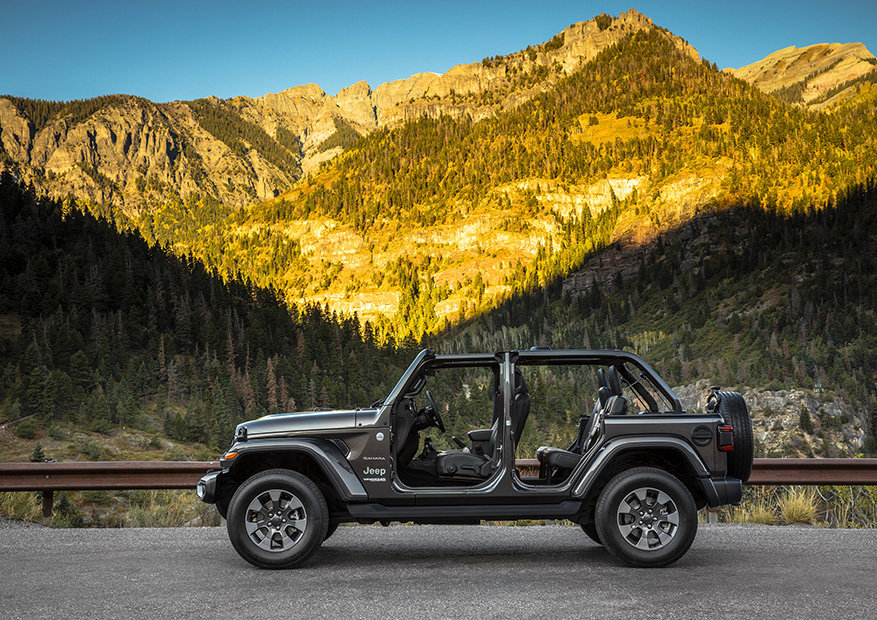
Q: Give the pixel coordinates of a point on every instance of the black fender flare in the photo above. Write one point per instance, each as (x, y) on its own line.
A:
(616, 447)
(326, 454)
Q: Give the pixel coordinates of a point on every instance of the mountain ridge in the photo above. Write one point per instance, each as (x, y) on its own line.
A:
(643, 135)
(427, 94)
(184, 158)
(817, 76)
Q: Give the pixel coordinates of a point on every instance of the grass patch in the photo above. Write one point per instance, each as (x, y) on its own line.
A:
(826, 506)
(760, 512)
(798, 505)
(608, 128)
(160, 508)
(19, 506)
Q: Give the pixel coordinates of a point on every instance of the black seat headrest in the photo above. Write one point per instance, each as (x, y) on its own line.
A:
(614, 381)
(601, 379)
(617, 406)
(520, 384)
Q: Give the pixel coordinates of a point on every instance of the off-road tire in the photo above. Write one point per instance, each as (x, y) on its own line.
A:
(590, 528)
(613, 506)
(290, 483)
(733, 410)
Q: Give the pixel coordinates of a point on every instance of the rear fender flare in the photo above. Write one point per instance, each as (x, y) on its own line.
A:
(617, 447)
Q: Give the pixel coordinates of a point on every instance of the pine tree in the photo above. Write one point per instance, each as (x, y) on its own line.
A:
(271, 386)
(38, 455)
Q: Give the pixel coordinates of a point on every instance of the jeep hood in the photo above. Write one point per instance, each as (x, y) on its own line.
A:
(296, 423)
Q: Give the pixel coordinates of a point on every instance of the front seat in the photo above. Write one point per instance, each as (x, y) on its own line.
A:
(463, 464)
(520, 408)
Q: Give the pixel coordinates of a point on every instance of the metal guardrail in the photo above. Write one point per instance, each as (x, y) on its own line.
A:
(100, 475)
(118, 475)
(813, 471)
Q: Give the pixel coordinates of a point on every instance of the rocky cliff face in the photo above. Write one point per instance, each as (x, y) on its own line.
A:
(832, 426)
(131, 151)
(476, 89)
(816, 76)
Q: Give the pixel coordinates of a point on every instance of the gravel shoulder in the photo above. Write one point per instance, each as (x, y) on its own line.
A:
(12, 524)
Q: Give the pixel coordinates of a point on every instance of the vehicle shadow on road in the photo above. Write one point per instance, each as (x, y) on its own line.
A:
(424, 552)
(410, 546)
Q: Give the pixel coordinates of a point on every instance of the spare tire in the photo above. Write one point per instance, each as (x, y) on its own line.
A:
(732, 408)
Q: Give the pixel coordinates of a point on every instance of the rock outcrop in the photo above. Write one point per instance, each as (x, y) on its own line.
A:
(832, 426)
(131, 152)
(812, 76)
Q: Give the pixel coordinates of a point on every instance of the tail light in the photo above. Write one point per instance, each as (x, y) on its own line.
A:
(726, 438)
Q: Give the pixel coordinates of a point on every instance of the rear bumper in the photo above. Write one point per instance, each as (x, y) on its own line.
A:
(730, 490)
(721, 491)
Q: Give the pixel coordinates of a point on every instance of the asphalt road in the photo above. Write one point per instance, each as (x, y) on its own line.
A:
(437, 572)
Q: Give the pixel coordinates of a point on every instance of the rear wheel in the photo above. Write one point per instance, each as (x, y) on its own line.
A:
(733, 410)
(277, 519)
(646, 517)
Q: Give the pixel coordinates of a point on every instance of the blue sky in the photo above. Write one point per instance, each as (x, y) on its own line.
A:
(184, 50)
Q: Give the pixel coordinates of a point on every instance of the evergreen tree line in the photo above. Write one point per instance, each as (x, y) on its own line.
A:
(345, 136)
(41, 112)
(100, 329)
(225, 124)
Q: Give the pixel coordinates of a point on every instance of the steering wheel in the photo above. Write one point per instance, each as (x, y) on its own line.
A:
(436, 416)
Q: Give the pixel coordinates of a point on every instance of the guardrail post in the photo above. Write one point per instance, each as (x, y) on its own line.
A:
(48, 502)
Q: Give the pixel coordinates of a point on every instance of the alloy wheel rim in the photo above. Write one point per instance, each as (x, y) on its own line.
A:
(647, 519)
(276, 520)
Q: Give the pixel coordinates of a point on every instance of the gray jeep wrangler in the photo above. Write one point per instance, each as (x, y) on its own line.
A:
(632, 472)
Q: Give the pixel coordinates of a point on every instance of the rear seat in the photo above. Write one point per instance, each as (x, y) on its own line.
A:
(611, 402)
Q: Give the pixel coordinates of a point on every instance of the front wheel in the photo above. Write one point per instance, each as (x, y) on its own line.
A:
(277, 519)
(646, 517)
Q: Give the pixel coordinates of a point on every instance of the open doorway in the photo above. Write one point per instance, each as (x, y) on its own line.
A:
(447, 426)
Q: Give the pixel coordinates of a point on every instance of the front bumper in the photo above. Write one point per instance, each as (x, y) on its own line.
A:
(206, 487)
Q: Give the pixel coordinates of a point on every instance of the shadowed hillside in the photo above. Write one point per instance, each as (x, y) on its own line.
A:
(99, 331)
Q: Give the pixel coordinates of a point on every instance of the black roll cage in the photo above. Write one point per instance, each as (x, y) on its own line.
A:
(605, 357)
(608, 357)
